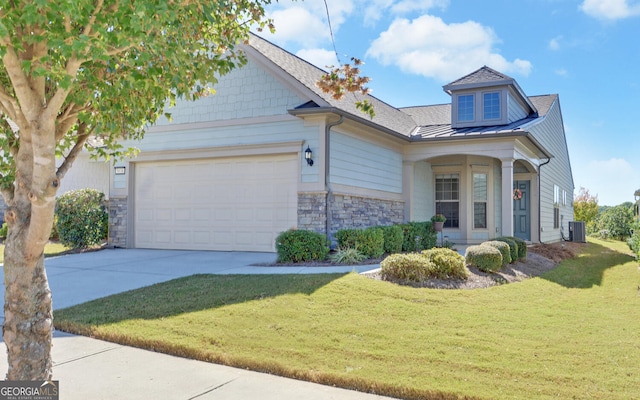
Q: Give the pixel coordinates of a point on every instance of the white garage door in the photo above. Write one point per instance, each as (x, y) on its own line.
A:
(228, 204)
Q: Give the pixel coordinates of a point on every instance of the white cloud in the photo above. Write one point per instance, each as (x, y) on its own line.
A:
(554, 44)
(293, 24)
(374, 10)
(428, 46)
(610, 9)
(561, 72)
(319, 57)
(612, 180)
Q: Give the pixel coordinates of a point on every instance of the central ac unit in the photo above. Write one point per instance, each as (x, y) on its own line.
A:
(577, 232)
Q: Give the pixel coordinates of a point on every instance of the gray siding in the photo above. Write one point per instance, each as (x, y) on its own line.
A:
(516, 111)
(245, 92)
(181, 139)
(365, 165)
(550, 133)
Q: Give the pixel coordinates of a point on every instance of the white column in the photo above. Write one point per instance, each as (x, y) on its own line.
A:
(507, 197)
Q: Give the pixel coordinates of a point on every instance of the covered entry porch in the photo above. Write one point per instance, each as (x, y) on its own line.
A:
(485, 189)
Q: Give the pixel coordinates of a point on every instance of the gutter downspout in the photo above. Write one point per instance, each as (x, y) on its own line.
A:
(327, 181)
(540, 199)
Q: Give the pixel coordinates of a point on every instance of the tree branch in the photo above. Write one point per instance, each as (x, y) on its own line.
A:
(83, 135)
(19, 81)
(92, 20)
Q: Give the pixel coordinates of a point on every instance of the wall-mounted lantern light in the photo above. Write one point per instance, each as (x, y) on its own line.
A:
(307, 156)
(120, 170)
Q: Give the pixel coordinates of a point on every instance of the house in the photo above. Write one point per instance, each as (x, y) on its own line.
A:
(230, 171)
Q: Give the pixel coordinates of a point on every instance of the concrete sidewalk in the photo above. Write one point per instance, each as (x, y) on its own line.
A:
(92, 369)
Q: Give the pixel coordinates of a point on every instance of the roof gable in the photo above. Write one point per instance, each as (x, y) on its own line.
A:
(307, 75)
(484, 76)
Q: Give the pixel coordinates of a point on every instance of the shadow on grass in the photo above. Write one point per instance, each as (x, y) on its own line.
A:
(189, 294)
(587, 268)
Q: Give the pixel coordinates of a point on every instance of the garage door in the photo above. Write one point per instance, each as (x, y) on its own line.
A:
(229, 204)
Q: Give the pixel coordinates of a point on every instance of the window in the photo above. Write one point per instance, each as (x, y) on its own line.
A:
(448, 198)
(465, 108)
(564, 198)
(556, 207)
(479, 201)
(491, 105)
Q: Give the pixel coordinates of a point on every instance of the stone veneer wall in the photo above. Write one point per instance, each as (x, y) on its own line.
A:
(118, 221)
(312, 211)
(363, 212)
(347, 212)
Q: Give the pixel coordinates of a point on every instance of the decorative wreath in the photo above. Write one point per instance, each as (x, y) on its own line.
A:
(517, 194)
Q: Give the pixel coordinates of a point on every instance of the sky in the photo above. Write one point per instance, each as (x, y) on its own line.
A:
(586, 51)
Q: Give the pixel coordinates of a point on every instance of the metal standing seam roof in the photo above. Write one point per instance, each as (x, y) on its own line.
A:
(419, 123)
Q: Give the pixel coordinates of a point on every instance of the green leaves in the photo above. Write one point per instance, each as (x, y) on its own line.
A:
(120, 63)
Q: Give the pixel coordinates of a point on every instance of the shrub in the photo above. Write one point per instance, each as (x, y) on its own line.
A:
(485, 258)
(418, 236)
(522, 247)
(392, 239)
(347, 256)
(447, 263)
(369, 242)
(504, 248)
(301, 245)
(409, 267)
(4, 231)
(513, 247)
(81, 218)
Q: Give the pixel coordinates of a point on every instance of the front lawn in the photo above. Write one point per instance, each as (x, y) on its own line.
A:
(571, 333)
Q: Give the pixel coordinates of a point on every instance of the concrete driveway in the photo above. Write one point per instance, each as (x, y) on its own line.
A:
(77, 278)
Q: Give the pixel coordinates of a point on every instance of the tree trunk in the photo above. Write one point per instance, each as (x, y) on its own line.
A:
(28, 326)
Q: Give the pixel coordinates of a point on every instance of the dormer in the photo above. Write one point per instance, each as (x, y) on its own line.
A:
(487, 97)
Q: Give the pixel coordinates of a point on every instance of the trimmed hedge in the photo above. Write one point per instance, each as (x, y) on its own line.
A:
(393, 239)
(522, 247)
(301, 245)
(408, 267)
(513, 247)
(447, 263)
(504, 248)
(485, 258)
(369, 242)
(81, 218)
(418, 236)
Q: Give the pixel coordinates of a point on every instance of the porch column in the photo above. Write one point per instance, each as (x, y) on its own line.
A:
(507, 197)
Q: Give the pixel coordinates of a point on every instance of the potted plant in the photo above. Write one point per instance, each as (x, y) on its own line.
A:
(438, 222)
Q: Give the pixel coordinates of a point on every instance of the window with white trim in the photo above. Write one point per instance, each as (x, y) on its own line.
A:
(448, 198)
(479, 201)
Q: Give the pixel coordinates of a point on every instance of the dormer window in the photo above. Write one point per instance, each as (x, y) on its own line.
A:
(466, 108)
(487, 97)
(491, 105)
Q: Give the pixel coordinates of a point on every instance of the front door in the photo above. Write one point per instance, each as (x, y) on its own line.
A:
(522, 210)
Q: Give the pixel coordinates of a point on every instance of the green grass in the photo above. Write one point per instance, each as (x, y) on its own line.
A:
(572, 333)
(50, 250)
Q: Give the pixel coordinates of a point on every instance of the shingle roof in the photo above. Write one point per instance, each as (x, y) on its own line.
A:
(482, 75)
(421, 123)
(308, 74)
